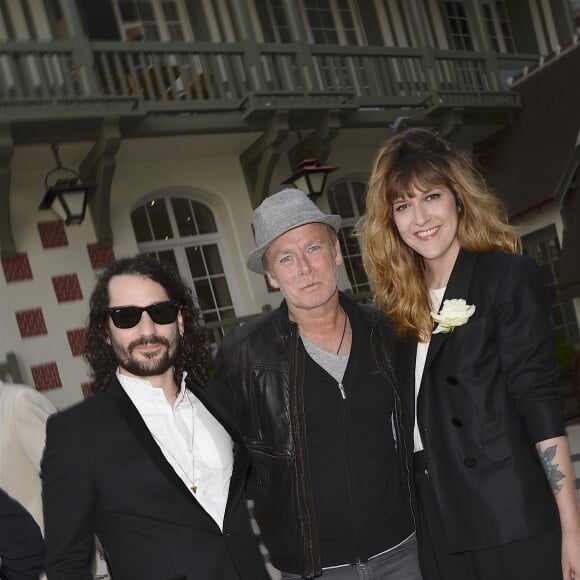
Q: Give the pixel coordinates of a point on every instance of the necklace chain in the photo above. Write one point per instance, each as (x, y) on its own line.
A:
(192, 485)
(343, 332)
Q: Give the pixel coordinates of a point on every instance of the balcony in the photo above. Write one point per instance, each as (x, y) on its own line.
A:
(235, 86)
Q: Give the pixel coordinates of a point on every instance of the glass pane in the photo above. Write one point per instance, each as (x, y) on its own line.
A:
(213, 260)
(170, 10)
(145, 10)
(157, 211)
(343, 203)
(167, 257)
(547, 272)
(195, 260)
(360, 276)
(569, 312)
(150, 32)
(204, 218)
(359, 191)
(227, 313)
(221, 292)
(554, 248)
(183, 216)
(349, 273)
(336, 191)
(141, 225)
(573, 333)
(541, 252)
(204, 294)
(351, 242)
(210, 316)
(175, 32)
(557, 316)
(128, 11)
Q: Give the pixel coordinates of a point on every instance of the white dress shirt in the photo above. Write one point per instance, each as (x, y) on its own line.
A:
(194, 443)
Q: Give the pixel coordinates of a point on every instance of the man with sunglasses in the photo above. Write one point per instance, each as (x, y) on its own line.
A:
(148, 464)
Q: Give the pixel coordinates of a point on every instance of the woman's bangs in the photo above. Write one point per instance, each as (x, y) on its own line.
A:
(422, 177)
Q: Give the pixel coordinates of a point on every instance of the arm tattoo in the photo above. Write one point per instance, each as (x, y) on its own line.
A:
(553, 474)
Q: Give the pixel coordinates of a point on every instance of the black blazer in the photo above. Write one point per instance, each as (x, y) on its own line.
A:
(103, 473)
(488, 394)
(21, 543)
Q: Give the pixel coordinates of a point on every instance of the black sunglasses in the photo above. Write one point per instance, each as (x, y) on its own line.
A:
(129, 316)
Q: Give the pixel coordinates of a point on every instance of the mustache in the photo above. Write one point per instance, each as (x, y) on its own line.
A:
(150, 340)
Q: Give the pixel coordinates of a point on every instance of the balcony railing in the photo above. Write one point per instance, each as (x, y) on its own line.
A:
(152, 77)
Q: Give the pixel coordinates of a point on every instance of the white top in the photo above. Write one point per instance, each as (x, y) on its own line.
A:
(422, 348)
(192, 440)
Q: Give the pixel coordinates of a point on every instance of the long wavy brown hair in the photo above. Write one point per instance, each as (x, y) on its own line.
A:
(419, 158)
(192, 351)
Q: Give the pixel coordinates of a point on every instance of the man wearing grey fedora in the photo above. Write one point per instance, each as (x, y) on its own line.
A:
(313, 390)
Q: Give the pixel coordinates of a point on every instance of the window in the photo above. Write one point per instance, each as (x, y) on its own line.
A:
(544, 247)
(183, 233)
(331, 22)
(498, 26)
(334, 22)
(346, 199)
(394, 21)
(272, 20)
(153, 20)
(459, 28)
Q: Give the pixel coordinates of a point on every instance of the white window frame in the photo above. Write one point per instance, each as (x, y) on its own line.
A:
(337, 20)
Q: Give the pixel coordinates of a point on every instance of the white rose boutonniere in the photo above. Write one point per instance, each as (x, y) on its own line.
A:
(454, 313)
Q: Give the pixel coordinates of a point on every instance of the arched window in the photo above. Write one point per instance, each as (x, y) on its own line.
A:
(347, 198)
(183, 232)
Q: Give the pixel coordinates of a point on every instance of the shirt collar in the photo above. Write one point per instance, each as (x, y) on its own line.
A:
(142, 391)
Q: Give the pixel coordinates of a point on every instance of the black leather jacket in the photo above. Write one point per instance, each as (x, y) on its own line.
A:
(259, 376)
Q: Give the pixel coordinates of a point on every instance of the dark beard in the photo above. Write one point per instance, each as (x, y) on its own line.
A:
(152, 368)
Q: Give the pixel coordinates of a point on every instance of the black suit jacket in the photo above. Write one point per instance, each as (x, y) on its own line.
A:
(103, 473)
(21, 543)
(488, 394)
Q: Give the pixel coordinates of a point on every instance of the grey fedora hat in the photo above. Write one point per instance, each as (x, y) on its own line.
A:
(280, 213)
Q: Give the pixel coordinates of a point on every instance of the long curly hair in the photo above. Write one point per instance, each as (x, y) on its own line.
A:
(192, 352)
(419, 158)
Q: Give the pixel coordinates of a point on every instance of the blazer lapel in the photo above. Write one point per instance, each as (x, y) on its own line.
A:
(458, 287)
(137, 425)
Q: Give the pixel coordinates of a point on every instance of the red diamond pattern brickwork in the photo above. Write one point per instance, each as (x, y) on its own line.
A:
(46, 377)
(31, 322)
(87, 389)
(77, 339)
(52, 234)
(67, 288)
(17, 268)
(101, 256)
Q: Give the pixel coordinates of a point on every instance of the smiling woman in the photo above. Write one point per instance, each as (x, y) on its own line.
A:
(438, 249)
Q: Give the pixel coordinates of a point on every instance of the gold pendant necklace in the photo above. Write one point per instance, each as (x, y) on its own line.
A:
(191, 483)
